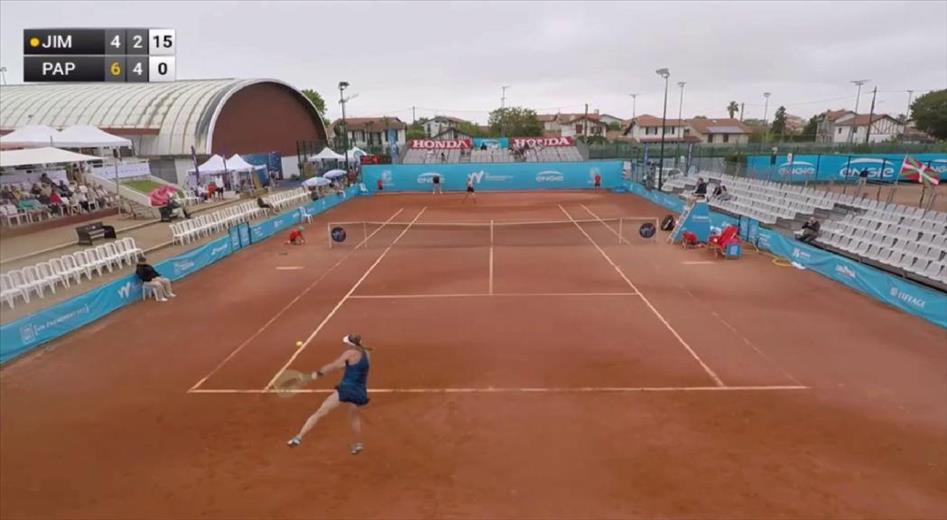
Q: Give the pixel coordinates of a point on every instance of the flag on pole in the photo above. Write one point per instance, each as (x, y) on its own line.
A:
(914, 170)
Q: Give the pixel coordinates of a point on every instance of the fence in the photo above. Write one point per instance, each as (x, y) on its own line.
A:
(29, 332)
(637, 151)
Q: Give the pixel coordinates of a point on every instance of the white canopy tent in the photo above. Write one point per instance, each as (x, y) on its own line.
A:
(334, 174)
(357, 152)
(327, 155)
(45, 155)
(85, 136)
(212, 166)
(30, 136)
(237, 164)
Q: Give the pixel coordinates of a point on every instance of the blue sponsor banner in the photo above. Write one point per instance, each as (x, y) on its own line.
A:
(46, 325)
(494, 176)
(272, 160)
(800, 168)
(491, 142)
(907, 296)
(912, 298)
(670, 202)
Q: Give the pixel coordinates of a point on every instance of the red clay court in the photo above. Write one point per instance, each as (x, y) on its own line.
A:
(552, 371)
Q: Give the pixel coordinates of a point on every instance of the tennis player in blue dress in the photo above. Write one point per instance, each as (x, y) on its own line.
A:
(352, 390)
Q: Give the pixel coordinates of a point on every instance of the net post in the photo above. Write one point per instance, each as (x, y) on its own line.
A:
(365, 231)
(329, 233)
(621, 227)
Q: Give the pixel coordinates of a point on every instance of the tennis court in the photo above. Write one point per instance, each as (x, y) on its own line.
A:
(535, 358)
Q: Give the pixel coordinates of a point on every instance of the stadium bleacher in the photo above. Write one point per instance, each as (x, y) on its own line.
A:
(909, 241)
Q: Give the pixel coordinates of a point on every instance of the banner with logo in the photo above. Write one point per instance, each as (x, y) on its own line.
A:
(491, 142)
(46, 325)
(838, 168)
(440, 144)
(545, 142)
(907, 296)
(494, 176)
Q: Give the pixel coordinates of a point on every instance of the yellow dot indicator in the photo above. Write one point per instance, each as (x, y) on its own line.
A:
(34, 42)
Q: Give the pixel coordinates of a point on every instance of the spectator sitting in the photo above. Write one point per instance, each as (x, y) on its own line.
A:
(36, 191)
(101, 198)
(810, 230)
(55, 202)
(721, 193)
(45, 179)
(83, 201)
(264, 204)
(151, 278)
(701, 190)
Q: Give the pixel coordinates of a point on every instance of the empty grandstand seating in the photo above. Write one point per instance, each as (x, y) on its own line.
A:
(208, 224)
(36, 279)
(907, 240)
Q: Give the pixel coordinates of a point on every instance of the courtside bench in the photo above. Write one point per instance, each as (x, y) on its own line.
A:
(93, 231)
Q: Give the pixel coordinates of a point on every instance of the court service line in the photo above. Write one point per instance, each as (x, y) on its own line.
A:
(518, 390)
(342, 301)
(480, 295)
(491, 258)
(644, 298)
(290, 304)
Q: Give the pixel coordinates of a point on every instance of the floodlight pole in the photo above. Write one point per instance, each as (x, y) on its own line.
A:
(345, 128)
(664, 73)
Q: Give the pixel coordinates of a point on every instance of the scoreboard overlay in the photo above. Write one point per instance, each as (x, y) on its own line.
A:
(132, 55)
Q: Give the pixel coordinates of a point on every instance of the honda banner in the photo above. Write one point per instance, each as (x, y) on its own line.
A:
(546, 142)
(438, 144)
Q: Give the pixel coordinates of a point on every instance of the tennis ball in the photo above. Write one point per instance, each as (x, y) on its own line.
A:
(299, 344)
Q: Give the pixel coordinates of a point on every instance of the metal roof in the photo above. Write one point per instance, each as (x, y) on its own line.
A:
(179, 113)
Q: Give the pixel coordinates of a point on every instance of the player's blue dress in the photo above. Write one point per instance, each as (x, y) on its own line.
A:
(353, 388)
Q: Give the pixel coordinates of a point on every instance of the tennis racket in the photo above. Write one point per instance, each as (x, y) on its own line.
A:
(290, 380)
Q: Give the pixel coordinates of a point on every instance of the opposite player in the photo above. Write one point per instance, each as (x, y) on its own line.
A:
(352, 390)
(296, 237)
(470, 190)
(436, 181)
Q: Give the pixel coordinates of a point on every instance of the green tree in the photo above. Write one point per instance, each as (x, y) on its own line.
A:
(515, 121)
(929, 113)
(733, 108)
(470, 129)
(810, 130)
(779, 122)
(614, 125)
(316, 99)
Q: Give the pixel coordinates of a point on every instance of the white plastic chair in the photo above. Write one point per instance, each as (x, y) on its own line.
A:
(59, 269)
(20, 280)
(38, 282)
(9, 291)
(130, 249)
(94, 261)
(303, 215)
(102, 254)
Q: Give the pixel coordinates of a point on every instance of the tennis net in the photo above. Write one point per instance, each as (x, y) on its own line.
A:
(609, 231)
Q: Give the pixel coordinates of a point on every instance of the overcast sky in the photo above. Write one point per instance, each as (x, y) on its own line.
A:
(453, 57)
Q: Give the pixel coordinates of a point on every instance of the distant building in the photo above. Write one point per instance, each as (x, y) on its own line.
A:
(647, 129)
(852, 128)
(366, 132)
(795, 124)
(439, 124)
(574, 125)
(825, 130)
(719, 131)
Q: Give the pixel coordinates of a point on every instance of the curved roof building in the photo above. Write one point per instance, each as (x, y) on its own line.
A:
(224, 116)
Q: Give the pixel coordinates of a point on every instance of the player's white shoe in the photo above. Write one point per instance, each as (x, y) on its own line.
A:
(295, 441)
(357, 448)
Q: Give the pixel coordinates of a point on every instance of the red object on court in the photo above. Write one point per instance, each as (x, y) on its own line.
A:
(380, 185)
(689, 239)
(719, 242)
(598, 180)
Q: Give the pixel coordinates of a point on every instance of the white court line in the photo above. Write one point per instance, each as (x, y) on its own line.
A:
(491, 258)
(479, 295)
(751, 344)
(288, 305)
(516, 390)
(644, 298)
(342, 301)
(290, 267)
(698, 262)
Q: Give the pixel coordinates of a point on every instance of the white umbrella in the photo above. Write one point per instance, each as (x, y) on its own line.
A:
(334, 174)
(315, 182)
